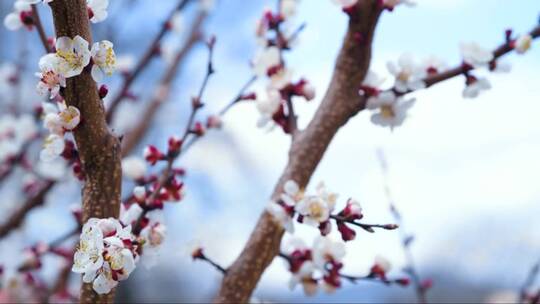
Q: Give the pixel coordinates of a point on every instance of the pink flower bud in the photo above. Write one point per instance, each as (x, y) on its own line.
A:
(153, 155)
(347, 234)
(198, 129)
(103, 91)
(213, 122)
(175, 143)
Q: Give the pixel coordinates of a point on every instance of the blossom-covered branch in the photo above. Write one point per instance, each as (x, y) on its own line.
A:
(98, 148)
(339, 104)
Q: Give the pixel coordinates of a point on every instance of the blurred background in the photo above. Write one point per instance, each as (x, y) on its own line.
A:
(463, 173)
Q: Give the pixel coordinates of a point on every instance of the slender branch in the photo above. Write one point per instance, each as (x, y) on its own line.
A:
(500, 51)
(406, 239)
(143, 62)
(214, 264)
(196, 106)
(533, 274)
(17, 218)
(134, 136)
(41, 30)
(366, 227)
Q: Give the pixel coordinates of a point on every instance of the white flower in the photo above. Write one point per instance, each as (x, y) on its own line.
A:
(326, 250)
(288, 8)
(53, 124)
(104, 59)
(139, 193)
(280, 78)
(433, 65)
(475, 55)
(345, 3)
(304, 276)
(21, 16)
(130, 215)
(50, 79)
(102, 256)
(329, 197)
(74, 55)
(373, 80)
(97, 10)
(409, 75)
(154, 234)
(475, 87)
(392, 111)
(390, 4)
(134, 167)
(70, 117)
(8, 72)
(314, 209)
(281, 215)
(267, 107)
(383, 263)
(266, 59)
(523, 43)
(53, 146)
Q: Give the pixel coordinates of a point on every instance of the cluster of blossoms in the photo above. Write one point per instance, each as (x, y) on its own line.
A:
(106, 253)
(72, 56)
(22, 15)
(316, 210)
(268, 62)
(322, 264)
(390, 106)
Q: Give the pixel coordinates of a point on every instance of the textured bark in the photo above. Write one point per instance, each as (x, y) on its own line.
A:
(99, 149)
(340, 103)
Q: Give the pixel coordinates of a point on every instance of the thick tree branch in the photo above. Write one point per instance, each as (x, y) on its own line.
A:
(340, 103)
(99, 150)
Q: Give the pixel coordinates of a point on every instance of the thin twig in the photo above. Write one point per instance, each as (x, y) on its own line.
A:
(40, 29)
(533, 274)
(143, 62)
(366, 227)
(406, 239)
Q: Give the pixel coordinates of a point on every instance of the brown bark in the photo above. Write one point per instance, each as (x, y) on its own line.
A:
(99, 149)
(340, 103)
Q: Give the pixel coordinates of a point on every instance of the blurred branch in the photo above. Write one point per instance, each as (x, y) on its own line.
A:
(134, 136)
(421, 287)
(534, 272)
(143, 62)
(196, 106)
(41, 30)
(16, 219)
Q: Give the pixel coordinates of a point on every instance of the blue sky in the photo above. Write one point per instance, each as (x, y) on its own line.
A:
(463, 172)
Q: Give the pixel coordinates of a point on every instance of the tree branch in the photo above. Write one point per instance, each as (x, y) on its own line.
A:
(40, 29)
(340, 103)
(134, 136)
(99, 149)
(143, 62)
